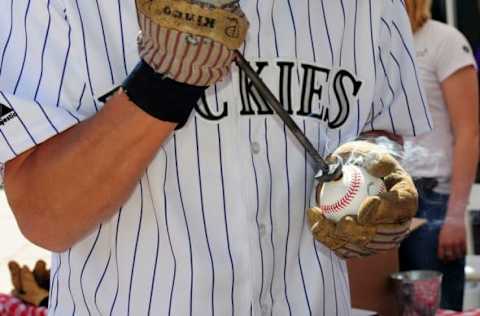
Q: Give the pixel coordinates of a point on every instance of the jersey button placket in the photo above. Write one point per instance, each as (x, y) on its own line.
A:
(255, 147)
(262, 229)
(264, 234)
(265, 308)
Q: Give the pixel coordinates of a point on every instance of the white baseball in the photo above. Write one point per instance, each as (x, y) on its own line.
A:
(344, 196)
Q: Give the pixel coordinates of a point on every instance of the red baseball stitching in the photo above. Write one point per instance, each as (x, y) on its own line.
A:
(347, 198)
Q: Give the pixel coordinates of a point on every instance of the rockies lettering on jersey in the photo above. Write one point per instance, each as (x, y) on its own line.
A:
(216, 226)
(253, 103)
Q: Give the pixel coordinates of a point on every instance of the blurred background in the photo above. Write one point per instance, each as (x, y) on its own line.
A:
(465, 15)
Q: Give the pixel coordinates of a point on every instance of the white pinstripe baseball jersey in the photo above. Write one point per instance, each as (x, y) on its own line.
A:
(216, 226)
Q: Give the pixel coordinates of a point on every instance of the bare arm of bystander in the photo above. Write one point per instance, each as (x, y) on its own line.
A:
(460, 91)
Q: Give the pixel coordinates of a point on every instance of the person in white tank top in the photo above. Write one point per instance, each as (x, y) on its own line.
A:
(443, 161)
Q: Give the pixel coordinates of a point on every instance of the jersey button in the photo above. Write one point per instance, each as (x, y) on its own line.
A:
(262, 229)
(265, 307)
(255, 147)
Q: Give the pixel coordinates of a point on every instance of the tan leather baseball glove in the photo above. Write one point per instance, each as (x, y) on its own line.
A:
(30, 286)
(190, 41)
(383, 221)
(42, 274)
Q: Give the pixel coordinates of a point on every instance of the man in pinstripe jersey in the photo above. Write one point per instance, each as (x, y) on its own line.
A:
(210, 218)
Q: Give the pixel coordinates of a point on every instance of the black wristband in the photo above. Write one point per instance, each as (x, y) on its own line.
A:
(161, 97)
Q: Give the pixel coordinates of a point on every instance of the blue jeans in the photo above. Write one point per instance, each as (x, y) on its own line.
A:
(419, 250)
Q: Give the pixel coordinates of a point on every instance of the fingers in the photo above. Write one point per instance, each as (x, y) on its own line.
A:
(368, 210)
(452, 251)
(33, 293)
(349, 229)
(452, 240)
(323, 229)
(314, 215)
(349, 239)
(14, 268)
(42, 274)
(27, 276)
(350, 251)
(448, 254)
(396, 206)
(391, 207)
(387, 237)
(40, 267)
(380, 164)
(24, 279)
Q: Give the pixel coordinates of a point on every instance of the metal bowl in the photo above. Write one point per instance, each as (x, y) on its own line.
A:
(415, 275)
(417, 292)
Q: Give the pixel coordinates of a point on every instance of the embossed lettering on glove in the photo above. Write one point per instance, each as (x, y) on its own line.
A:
(383, 221)
(190, 41)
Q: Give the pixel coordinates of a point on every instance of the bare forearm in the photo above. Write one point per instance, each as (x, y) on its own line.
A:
(465, 158)
(460, 91)
(66, 186)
